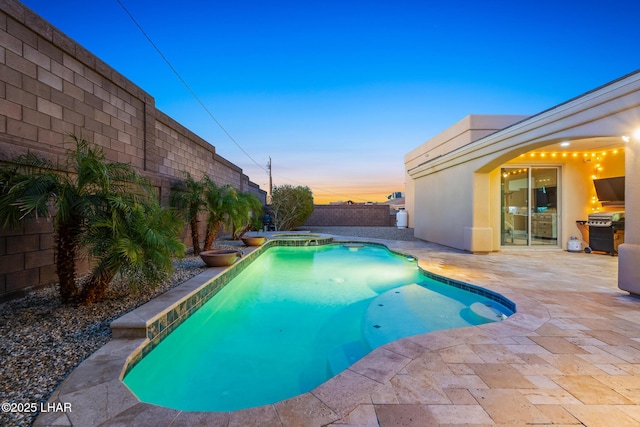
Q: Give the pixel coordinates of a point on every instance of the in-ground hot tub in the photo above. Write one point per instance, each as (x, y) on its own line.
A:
(303, 239)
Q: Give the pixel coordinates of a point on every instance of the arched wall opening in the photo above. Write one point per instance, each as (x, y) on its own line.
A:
(536, 198)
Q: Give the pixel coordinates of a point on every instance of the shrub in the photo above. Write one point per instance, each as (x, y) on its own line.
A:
(291, 206)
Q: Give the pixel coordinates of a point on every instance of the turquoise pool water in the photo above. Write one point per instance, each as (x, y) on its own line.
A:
(291, 320)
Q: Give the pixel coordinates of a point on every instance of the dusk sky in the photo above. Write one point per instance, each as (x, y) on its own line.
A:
(337, 92)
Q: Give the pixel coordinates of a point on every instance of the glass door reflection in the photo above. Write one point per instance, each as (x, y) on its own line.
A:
(544, 206)
(515, 206)
(529, 213)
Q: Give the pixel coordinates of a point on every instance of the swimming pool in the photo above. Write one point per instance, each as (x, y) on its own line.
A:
(290, 320)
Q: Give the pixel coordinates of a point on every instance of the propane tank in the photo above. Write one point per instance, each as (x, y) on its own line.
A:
(574, 245)
(401, 218)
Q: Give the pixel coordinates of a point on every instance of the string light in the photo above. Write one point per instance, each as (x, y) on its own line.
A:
(586, 154)
(206, 109)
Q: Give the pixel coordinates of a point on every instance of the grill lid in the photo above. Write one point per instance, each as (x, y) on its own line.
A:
(604, 219)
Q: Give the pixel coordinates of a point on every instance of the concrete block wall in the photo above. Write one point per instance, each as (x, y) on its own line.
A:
(51, 87)
(27, 257)
(223, 170)
(177, 149)
(351, 215)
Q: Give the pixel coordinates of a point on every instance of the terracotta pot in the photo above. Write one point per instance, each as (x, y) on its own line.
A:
(254, 240)
(220, 257)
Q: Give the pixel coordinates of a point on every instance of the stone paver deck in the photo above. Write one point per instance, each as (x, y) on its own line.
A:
(569, 356)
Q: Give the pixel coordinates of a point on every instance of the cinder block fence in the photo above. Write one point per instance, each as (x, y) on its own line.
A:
(352, 215)
(50, 86)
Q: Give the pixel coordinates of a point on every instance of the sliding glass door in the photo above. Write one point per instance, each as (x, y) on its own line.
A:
(529, 214)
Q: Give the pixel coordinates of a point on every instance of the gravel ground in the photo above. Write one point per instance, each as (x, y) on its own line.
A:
(42, 340)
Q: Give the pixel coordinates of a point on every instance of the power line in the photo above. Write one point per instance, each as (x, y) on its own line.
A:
(191, 91)
(202, 104)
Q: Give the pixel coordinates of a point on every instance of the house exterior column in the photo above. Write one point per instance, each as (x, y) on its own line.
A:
(629, 251)
(479, 237)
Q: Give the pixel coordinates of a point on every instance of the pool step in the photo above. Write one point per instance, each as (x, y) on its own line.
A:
(397, 313)
(345, 355)
(489, 311)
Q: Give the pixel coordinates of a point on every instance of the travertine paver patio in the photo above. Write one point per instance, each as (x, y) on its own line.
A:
(570, 356)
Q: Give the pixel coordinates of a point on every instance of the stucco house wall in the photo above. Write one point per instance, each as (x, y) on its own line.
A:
(467, 130)
(453, 186)
(445, 196)
(445, 199)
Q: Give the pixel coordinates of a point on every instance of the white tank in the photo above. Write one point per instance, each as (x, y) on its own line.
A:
(574, 245)
(402, 219)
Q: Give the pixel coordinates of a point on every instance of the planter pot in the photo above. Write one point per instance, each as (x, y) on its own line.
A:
(254, 240)
(220, 257)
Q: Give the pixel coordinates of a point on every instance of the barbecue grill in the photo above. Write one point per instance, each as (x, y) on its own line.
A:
(606, 231)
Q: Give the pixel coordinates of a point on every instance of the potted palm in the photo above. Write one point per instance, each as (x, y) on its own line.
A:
(247, 217)
(221, 203)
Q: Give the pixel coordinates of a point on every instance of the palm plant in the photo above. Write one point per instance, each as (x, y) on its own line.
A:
(31, 186)
(221, 205)
(134, 238)
(188, 197)
(247, 214)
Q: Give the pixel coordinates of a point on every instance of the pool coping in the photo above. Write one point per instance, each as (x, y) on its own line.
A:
(97, 382)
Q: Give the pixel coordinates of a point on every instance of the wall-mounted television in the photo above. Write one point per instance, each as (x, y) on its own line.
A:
(546, 197)
(610, 190)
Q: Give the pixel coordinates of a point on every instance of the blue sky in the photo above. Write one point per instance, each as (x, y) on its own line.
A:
(337, 92)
